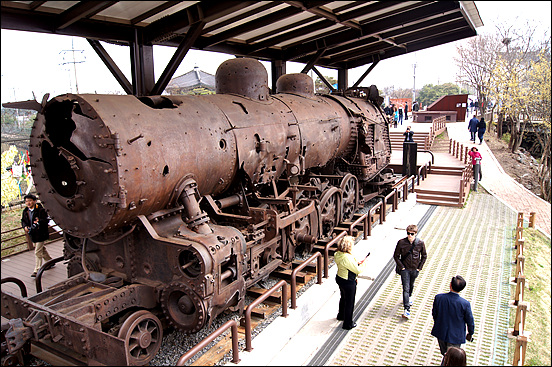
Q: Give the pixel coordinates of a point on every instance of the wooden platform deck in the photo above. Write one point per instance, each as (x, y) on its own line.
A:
(22, 265)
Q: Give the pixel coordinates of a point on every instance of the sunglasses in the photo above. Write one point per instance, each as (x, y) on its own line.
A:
(411, 233)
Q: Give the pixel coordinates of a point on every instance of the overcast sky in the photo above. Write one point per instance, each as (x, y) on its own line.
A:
(41, 63)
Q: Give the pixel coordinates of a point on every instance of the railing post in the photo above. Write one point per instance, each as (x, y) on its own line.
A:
(532, 220)
(318, 257)
(520, 266)
(202, 344)
(520, 244)
(519, 220)
(281, 283)
(520, 285)
(521, 314)
(327, 255)
(521, 349)
(450, 146)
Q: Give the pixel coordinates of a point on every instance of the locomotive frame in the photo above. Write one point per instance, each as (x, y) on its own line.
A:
(172, 206)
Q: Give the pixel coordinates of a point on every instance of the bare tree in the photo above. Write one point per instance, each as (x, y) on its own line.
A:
(476, 61)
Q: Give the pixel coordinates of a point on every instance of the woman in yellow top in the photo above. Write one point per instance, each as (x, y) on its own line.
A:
(347, 270)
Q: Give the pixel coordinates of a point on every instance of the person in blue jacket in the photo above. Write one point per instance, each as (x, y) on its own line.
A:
(451, 315)
(472, 127)
(347, 270)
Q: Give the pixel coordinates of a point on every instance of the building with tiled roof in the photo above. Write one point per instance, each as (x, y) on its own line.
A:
(193, 82)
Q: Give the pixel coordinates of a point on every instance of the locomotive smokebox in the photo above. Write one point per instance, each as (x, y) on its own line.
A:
(244, 76)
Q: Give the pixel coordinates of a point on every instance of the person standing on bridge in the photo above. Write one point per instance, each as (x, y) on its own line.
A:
(347, 270)
(35, 223)
(472, 128)
(410, 256)
(451, 314)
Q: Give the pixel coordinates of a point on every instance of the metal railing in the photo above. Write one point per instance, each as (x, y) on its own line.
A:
(202, 344)
(281, 283)
(318, 257)
(54, 236)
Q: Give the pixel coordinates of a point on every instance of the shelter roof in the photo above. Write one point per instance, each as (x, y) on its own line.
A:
(334, 34)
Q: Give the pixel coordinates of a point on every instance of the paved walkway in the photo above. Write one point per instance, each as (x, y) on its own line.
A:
(500, 184)
(473, 242)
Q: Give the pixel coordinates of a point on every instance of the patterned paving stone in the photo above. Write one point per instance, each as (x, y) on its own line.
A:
(474, 242)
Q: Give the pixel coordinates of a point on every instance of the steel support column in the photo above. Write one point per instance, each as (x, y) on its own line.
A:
(277, 69)
(141, 64)
(342, 79)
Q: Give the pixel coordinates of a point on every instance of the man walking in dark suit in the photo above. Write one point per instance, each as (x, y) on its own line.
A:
(451, 314)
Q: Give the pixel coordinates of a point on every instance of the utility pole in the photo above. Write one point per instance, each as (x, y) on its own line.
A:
(74, 62)
(414, 87)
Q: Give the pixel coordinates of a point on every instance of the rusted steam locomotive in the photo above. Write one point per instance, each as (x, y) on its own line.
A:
(172, 206)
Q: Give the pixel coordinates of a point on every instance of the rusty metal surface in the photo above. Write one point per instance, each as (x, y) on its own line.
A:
(172, 206)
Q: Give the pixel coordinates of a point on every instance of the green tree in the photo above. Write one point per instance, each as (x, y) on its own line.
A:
(321, 87)
(431, 93)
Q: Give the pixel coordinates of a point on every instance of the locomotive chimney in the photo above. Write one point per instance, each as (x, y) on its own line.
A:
(244, 76)
(295, 83)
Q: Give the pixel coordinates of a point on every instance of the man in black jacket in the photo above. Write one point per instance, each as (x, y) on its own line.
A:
(410, 256)
(35, 222)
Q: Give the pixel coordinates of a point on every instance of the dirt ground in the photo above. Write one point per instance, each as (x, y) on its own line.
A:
(524, 172)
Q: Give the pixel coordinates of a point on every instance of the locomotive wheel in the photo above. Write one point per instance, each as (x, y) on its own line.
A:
(143, 334)
(349, 185)
(330, 209)
(183, 308)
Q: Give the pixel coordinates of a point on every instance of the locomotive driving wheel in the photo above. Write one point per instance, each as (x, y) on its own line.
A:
(143, 334)
(330, 210)
(349, 185)
(183, 307)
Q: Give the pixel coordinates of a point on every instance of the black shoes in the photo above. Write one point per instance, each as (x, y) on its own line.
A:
(350, 327)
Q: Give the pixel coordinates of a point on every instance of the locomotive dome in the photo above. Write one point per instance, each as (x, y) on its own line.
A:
(295, 83)
(243, 76)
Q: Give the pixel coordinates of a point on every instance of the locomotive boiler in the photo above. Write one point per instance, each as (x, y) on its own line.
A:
(172, 206)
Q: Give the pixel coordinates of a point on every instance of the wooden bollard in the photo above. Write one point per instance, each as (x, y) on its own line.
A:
(532, 220)
(519, 235)
(520, 220)
(519, 246)
(520, 266)
(521, 349)
(519, 323)
(520, 286)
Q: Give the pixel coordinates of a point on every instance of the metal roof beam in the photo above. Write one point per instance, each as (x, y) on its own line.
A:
(332, 89)
(83, 9)
(179, 54)
(111, 65)
(365, 73)
(321, 24)
(324, 13)
(415, 46)
(179, 22)
(372, 28)
(152, 12)
(250, 26)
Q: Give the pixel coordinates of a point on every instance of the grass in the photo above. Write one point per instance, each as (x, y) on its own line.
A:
(537, 293)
